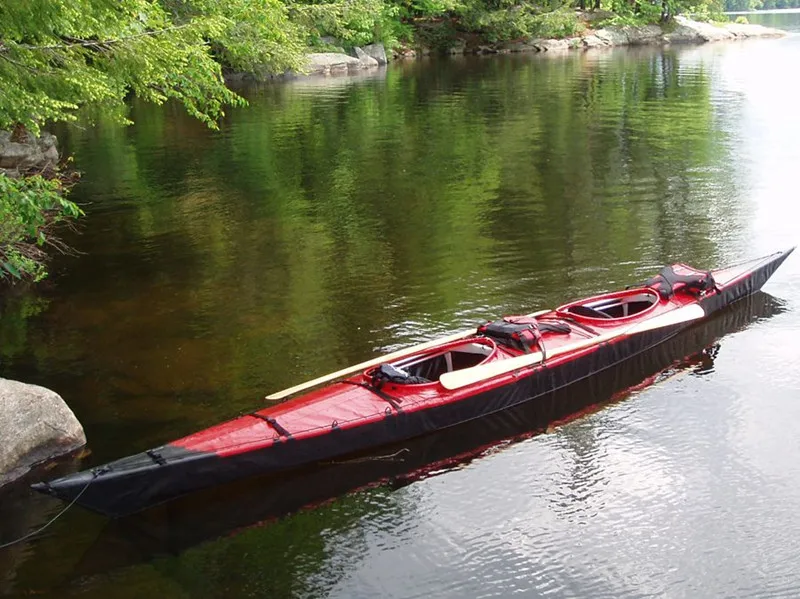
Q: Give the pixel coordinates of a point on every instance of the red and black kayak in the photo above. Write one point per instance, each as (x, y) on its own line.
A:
(421, 389)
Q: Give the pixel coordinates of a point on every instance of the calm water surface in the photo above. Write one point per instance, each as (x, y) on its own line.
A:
(334, 219)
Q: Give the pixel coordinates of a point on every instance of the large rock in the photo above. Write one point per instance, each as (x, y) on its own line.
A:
(30, 153)
(20, 155)
(376, 51)
(367, 61)
(684, 31)
(552, 45)
(701, 32)
(612, 36)
(593, 41)
(35, 425)
(646, 34)
(331, 63)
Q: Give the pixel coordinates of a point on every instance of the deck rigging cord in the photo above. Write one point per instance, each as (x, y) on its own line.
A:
(53, 519)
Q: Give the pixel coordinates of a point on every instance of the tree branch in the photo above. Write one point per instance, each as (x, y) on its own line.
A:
(94, 43)
(15, 63)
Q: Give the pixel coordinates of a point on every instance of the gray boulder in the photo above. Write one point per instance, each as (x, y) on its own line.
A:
(35, 425)
(612, 36)
(46, 141)
(592, 41)
(20, 155)
(698, 32)
(706, 32)
(331, 63)
(376, 51)
(367, 61)
(30, 153)
(646, 34)
(683, 34)
(552, 45)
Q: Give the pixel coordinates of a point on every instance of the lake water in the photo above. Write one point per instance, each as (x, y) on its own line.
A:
(335, 219)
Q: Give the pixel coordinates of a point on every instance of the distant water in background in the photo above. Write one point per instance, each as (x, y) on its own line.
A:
(336, 218)
(787, 19)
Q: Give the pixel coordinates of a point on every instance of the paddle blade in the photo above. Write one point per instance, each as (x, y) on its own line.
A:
(668, 319)
(468, 376)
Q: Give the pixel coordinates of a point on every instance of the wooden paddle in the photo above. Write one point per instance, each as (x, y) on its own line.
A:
(468, 376)
(402, 353)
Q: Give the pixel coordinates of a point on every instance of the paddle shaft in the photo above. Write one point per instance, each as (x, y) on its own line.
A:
(380, 360)
(468, 376)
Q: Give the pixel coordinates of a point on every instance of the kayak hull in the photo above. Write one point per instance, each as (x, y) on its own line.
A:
(158, 475)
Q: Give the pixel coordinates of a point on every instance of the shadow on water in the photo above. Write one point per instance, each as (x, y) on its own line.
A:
(173, 528)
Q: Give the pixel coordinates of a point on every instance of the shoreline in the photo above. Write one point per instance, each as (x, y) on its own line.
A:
(680, 31)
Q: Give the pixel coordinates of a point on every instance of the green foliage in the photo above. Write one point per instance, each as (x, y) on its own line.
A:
(353, 22)
(742, 20)
(254, 34)
(520, 21)
(29, 208)
(56, 56)
(634, 14)
(559, 23)
(501, 24)
(439, 35)
(706, 10)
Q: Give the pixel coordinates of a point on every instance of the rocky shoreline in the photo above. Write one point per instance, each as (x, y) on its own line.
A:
(680, 31)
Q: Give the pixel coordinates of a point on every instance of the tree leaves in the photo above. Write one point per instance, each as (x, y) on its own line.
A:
(56, 56)
(29, 208)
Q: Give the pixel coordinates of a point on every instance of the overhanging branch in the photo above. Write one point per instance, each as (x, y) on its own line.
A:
(98, 44)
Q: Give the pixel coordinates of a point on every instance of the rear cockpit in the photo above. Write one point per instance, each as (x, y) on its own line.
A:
(614, 306)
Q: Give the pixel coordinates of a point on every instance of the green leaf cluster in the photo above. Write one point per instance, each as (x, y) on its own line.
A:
(254, 34)
(29, 209)
(59, 55)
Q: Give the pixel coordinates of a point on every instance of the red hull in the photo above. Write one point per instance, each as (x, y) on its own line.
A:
(357, 413)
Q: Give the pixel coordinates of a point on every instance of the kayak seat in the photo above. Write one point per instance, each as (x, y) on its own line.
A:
(386, 373)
